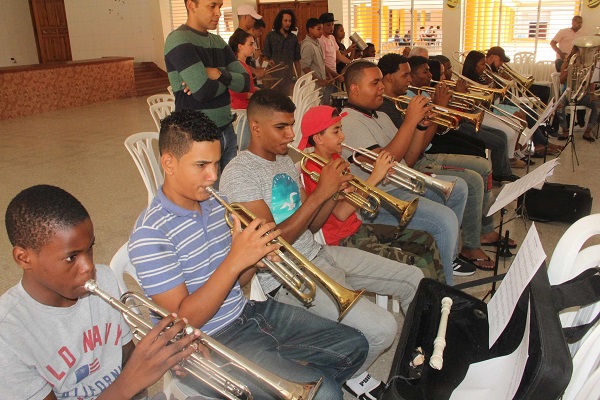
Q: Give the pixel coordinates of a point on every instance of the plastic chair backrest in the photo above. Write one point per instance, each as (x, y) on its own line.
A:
(170, 89)
(568, 261)
(159, 98)
(524, 62)
(160, 110)
(139, 145)
(585, 365)
(543, 71)
(300, 82)
(120, 265)
(242, 131)
(555, 79)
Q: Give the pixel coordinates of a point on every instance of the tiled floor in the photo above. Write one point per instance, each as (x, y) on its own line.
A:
(82, 150)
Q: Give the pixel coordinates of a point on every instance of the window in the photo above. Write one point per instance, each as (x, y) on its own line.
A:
(517, 26)
(224, 29)
(416, 22)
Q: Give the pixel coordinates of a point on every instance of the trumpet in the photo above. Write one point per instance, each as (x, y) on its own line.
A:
(200, 367)
(292, 272)
(405, 209)
(404, 176)
(486, 98)
(448, 118)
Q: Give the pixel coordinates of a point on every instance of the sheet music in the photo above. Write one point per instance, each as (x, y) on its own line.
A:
(503, 303)
(498, 378)
(534, 179)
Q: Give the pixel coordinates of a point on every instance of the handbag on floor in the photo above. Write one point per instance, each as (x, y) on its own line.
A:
(557, 202)
(549, 366)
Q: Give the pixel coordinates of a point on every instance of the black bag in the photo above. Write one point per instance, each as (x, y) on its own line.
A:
(549, 366)
(557, 202)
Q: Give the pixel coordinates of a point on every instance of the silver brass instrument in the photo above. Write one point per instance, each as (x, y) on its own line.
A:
(581, 66)
(294, 274)
(404, 176)
(446, 117)
(405, 209)
(199, 366)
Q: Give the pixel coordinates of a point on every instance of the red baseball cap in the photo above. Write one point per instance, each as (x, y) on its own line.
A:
(316, 120)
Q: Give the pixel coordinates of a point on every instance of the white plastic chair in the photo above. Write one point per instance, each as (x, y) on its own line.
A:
(139, 145)
(542, 72)
(524, 62)
(568, 261)
(160, 110)
(585, 365)
(242, 131)
(170, 90)
(159, 98)
(299, 83)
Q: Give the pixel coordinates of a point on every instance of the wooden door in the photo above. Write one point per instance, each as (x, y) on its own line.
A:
(51, 31)
(303, 10)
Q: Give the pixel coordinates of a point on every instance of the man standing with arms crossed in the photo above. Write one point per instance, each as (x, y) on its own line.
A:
(209, 69)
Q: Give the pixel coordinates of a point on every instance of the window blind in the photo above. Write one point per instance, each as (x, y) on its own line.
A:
(516, 26)
(417, 22)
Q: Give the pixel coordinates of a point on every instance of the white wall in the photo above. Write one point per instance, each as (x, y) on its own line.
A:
(16, 34)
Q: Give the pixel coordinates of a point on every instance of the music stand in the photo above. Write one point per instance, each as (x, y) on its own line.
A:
(509, 193)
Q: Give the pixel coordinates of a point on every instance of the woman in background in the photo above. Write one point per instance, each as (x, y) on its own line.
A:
(242, 44)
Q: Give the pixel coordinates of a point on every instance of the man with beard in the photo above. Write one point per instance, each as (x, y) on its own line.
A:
(281, 46)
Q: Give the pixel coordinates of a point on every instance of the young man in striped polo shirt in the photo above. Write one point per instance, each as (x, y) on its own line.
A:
(189, 263)
(209, 69)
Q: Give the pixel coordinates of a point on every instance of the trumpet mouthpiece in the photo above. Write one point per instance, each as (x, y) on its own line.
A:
(91, 286)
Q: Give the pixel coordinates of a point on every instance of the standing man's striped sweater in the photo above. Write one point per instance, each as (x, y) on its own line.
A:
(209, 69)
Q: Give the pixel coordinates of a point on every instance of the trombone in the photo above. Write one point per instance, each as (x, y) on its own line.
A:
(200, 367)
(406, 209)
(483, 98)
(404, 176)
(291, 272)
(447, 117)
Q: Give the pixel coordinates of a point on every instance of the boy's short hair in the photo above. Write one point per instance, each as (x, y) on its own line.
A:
(181, 128)
(269, 100)
(312, 22)
(354, 71)
(416, 61)
(259, 23)
(33, 215)
(390, 63)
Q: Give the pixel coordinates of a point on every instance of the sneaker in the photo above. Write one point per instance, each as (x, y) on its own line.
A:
(506, 178)
(462, 267)
(365, 387)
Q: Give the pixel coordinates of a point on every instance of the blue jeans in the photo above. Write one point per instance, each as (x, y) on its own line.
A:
(357, 269)
(295, 345)
(497, 142)
(228, 142)
(435, 216)
(476, 171)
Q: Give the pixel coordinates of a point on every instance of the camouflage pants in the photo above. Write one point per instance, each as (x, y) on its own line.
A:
(409, 246)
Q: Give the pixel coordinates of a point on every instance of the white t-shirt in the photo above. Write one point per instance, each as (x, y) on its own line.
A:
(75, 351)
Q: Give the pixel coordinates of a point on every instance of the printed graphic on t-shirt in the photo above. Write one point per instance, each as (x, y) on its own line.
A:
(285, 197)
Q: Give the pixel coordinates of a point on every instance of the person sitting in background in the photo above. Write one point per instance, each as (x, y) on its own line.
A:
(242, 44)
(53, 238)
(589, 100)
(322, 129)
(406, 51)
(369, 51)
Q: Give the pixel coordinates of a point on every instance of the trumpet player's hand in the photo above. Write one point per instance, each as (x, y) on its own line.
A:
(381, 168)
(461, 86)
(250, 245)
(442, 95)
(334, 178)
(154, 355)
(417, 110)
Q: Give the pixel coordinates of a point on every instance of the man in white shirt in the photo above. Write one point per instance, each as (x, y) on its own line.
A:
(562, 43)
